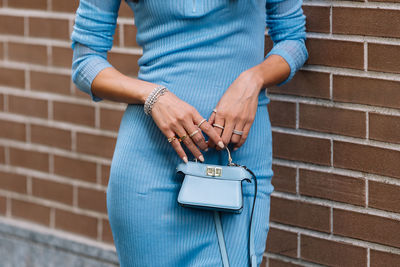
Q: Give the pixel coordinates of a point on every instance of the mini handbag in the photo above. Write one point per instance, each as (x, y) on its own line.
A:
(217, 188)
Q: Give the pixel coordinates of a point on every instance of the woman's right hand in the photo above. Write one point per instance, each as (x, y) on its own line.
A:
(176, 117)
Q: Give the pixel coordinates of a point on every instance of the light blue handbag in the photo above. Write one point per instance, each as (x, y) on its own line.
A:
(217, 188)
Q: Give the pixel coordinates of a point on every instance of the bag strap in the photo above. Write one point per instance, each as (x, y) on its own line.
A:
(220, 233)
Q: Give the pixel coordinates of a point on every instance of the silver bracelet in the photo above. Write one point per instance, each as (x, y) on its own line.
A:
(153, 97)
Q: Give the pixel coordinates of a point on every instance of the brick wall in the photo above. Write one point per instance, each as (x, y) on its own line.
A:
(336, 132)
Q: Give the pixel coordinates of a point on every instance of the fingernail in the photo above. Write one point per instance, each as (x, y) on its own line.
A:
(221, 144)
(236, 148)
(201, 158)
(185, 159)
(206, 149)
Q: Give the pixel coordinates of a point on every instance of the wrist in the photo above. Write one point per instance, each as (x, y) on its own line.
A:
(254, 76)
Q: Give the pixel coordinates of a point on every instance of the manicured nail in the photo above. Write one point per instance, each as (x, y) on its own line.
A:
(206, 149)
(185, 159)
(221, 144)
(236, 148)
(201, 158)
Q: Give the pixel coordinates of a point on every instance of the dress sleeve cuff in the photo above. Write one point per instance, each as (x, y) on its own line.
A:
(293, 52)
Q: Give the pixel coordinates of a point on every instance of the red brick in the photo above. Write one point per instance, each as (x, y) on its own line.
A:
(366, 21)
(125, 63)
(29, 53)
(48, 28)
(332, 253)
(384, 127)
(52, 190)
(92, 199)
(107, 235)
(37, 4)
(305, 83)
(130, 32)
(110, 119)
(98, 145)
(62, 56)
(12, 130)
(384, 196)
(64, 6)
(51, 136)
(12, 77)
(335, 53)
(282, 242)
(280, 263)
(125, 10)
(27, 106)
(366, 158)
(29, 159)
(13, 182)
(105, 174)
(384, 58)
(77, 223)
(11, 25)
(301, 148)
(75, 168)
(2, 154)
(282, 113)
(366, 91)
(30, 211)
(74, 113)
(317, 18)
(3, 205)
(332, 186)
(332, 120)
(50, 82)
(366, 227)
(301, 214)
(380, 258)
(284, 179)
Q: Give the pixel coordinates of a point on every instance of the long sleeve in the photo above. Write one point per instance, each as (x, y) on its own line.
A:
(286, 26)
(92, 38)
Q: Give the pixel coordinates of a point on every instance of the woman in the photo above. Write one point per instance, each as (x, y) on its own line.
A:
(209, 55)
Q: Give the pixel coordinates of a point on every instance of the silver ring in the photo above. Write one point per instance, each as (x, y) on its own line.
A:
(195, 132)
(215, 110)
(198, 125)
(237, 132)
(219, 126)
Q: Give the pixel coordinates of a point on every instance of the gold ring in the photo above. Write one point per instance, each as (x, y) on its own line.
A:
(182, 138)
(203, 120)
(195, 132)
(219, 126)
(171, 139)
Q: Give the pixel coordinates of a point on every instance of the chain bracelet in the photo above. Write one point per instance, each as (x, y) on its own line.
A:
(153, 97)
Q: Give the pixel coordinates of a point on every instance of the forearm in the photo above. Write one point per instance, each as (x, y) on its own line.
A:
(273, 70)
(113, 85)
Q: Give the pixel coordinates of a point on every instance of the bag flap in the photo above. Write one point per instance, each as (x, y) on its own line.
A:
(211, 192)
(227, 172)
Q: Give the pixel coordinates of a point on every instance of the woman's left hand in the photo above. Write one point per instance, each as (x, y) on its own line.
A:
(237, 109)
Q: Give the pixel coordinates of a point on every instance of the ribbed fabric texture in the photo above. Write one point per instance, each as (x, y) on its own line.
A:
(196, 49)
(199, 30)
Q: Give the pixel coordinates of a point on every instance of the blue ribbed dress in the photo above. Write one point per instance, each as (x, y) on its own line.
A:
(196, 48)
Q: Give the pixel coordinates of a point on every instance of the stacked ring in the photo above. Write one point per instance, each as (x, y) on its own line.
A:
(195, 132)
(237, 132)
(171, 139)
(219, 126)
(182, 138)
(203, 120)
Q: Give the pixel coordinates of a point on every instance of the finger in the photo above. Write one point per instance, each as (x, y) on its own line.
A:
(227, 132)
(180, 130)
(212, 133)
(198, 138)
(236, 137)
(210, 142)
(177, 146)
(220, 121)
(243, 138)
